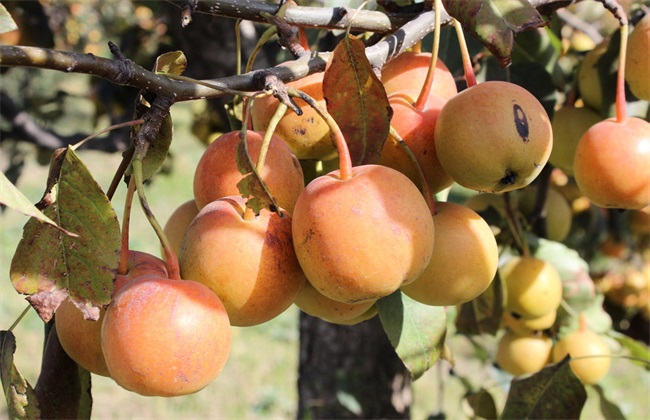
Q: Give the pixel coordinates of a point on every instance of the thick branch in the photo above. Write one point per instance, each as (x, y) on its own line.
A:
(314, 17)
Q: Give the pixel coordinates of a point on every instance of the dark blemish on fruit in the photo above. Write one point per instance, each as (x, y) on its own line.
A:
(521, 122)
(509, 178)
(301, 131)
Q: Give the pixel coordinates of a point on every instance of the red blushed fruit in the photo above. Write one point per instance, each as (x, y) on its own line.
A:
(361, 238)
(416, 127)
(217, 174)
(408, 70)
(164, 337)
(612, 163)
(81, 338)
(249, 263)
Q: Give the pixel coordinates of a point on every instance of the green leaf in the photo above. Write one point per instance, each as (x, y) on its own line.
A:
(482, 402)
(555, 392)
(173, 62)
(13, 198)
(20, 397)
(7, 23)
(158, 149)
(483, 314)
(416, 331)
(609, 409)
(495, 22)
(48, 265)
(357, 101)
(636, 348)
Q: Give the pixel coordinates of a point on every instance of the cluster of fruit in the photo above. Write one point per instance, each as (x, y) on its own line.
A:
(533, 295)
(141, 339)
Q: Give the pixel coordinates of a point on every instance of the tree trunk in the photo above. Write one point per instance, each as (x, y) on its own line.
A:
(350, 372)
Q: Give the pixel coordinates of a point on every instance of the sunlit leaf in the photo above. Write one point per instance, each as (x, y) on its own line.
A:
(20, 397)
(495, 22)
(555, 392)
(173, 62)
(48, 265)
(11, 197)
(7, 23)
(483, 314)
(357, 101)
(416, 331)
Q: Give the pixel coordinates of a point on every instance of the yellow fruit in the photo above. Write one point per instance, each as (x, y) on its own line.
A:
(589, 83)
(533, 287)
(559, 215)
(587, 344)
(569, 125)
(464, 260)
(316, 304)
(493, 137)
(523, 326)
(637, 63)
(523, 354)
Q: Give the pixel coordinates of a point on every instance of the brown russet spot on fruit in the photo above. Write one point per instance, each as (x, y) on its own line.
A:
(521, 122)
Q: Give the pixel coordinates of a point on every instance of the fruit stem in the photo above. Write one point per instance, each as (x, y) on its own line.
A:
(107, 129)
(258, 46)
(270, 130)
(123, 266)
(620, 77)
(345, 161)
(515, 226)
(428, 81)
(583, 325)
(565, 305)
(170, 256)
(20, 317)
(470, 78)
(424, 185)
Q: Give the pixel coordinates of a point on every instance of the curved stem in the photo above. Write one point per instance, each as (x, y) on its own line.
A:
(123, 266)
(428, 81)
(20, 317)
(258, 46)
(470, 78)
(273, 123)
(620, 77)
(106, 130)
(345, 161)
(515, 226)
(170, 256)
(238, 46)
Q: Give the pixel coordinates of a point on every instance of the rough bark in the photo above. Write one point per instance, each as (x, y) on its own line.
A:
(350, 372)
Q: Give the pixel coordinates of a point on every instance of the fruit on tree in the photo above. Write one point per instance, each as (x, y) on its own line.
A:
(637, 63)
(81, 338)
(164, 337)
(178, 223)
(611, 163)
(361, 238)
(316, 304)
(523, 354)
(408, 70)
(533, 287)
(589, 81)
(569, 125)
(416, 128)
(248, 261)
(585, 343)
(557, 210)
(216, 175)
(493, 137)
(523, 326)
(307, 135)
(464, 260)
